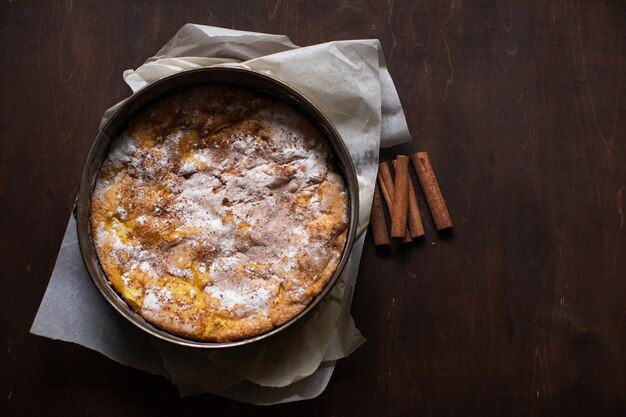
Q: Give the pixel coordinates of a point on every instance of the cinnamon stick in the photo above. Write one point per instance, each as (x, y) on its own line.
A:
(386, 187)
(400, 197)
(432, 192)
(385, 175)
(377, 220)
(416, 228)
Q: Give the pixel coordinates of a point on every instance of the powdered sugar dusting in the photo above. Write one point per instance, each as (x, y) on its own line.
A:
(151, 301)
(241, 301)
(231, 219)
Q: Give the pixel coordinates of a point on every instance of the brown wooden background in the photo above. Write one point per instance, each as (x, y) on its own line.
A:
(521, 105)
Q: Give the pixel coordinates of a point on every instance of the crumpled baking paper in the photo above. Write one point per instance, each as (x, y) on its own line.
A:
(349, 82)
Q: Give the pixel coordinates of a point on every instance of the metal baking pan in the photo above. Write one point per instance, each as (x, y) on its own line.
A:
(236, 77)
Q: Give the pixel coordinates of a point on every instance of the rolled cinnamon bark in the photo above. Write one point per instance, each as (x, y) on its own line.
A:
(400, 197)
(386, 187)
(385, 175)
(377, 220)
(432, 192)
(416, 227)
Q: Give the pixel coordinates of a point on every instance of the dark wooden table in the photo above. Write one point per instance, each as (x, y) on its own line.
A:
(521, 311)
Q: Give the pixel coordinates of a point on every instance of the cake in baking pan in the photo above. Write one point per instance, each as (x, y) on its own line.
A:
(218, 214)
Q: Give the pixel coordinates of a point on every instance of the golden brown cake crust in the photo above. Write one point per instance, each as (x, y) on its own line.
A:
(218, 215)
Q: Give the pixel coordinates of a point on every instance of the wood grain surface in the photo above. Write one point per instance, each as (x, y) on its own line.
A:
(520, 311)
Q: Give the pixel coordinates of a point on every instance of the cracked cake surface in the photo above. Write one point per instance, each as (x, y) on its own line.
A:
(218, 214)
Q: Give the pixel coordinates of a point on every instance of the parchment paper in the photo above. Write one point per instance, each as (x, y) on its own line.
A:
(348, 81)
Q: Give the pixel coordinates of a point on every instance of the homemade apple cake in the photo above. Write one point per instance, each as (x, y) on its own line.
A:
(218, 214)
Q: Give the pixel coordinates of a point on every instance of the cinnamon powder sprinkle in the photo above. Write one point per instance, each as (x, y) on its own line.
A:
(218, 214)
